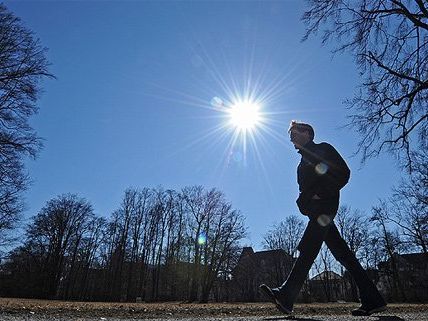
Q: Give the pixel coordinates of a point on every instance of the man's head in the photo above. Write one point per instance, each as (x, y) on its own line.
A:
(300, 133)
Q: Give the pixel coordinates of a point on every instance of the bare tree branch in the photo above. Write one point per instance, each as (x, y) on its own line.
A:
(22, 66)
(389, 41)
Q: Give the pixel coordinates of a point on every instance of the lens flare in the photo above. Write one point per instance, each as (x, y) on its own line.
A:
(202, 239)
(324, 220)
(217, 102)
(321, 168)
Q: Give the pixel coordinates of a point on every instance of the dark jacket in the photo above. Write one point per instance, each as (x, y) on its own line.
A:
(322, 172)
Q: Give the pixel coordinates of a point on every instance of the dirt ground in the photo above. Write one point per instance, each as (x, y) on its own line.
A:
(21, 307)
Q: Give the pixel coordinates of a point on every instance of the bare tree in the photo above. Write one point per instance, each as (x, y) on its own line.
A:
(88, 259)
(285, 235)
(22, 66)
(224, 229)
(409, 205)
(411, 219)
(407, 208)
(57, 231)
(120, 244)
(139, 222)
(372, 251)
(391, 245)
(198, 209)
(323, 267)
(214, 230)
(389, 41)
(353, 227)
(173, 253)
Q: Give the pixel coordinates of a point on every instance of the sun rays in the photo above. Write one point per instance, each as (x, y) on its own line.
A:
(241, 104)
(241, 124)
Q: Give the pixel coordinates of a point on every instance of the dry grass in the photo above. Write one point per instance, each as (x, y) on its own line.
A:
(176, 309)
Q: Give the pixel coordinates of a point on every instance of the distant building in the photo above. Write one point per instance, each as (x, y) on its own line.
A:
(327, 286)
(404, 277)
(254, 268)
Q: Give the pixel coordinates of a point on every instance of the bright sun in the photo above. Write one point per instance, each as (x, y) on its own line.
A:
(244, 115)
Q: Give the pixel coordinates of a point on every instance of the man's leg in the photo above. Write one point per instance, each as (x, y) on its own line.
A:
(369, 294)
(309, 247)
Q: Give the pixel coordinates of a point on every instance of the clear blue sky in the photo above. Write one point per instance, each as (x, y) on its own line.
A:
(131, 105)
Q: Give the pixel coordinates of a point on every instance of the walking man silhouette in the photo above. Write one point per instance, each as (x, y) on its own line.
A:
(321, 174)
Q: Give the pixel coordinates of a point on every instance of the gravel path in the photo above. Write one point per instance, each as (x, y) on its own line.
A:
(414, 316)
(44, 310)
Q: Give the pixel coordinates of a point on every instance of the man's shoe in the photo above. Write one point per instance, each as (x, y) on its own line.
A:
(273, 295)
(368, 310)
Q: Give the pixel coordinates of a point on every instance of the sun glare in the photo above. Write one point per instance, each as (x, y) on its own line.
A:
(244, 115)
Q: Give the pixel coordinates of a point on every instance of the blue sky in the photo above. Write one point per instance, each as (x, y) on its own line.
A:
(132, 103)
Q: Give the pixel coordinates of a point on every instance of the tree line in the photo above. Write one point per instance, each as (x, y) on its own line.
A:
(158, 245)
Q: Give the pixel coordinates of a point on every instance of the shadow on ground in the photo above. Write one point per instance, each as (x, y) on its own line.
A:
(294, 318)
(290, 317)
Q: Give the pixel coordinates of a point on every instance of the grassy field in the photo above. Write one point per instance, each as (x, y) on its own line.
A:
(176, 309)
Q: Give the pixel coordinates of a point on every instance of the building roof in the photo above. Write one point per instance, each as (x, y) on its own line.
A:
(326, 275)
(263, 255)
(416, 258)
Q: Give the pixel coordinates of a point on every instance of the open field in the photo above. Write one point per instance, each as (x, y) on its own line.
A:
(27, 309)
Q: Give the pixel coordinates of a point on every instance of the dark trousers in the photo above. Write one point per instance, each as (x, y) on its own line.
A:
(309, 247)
